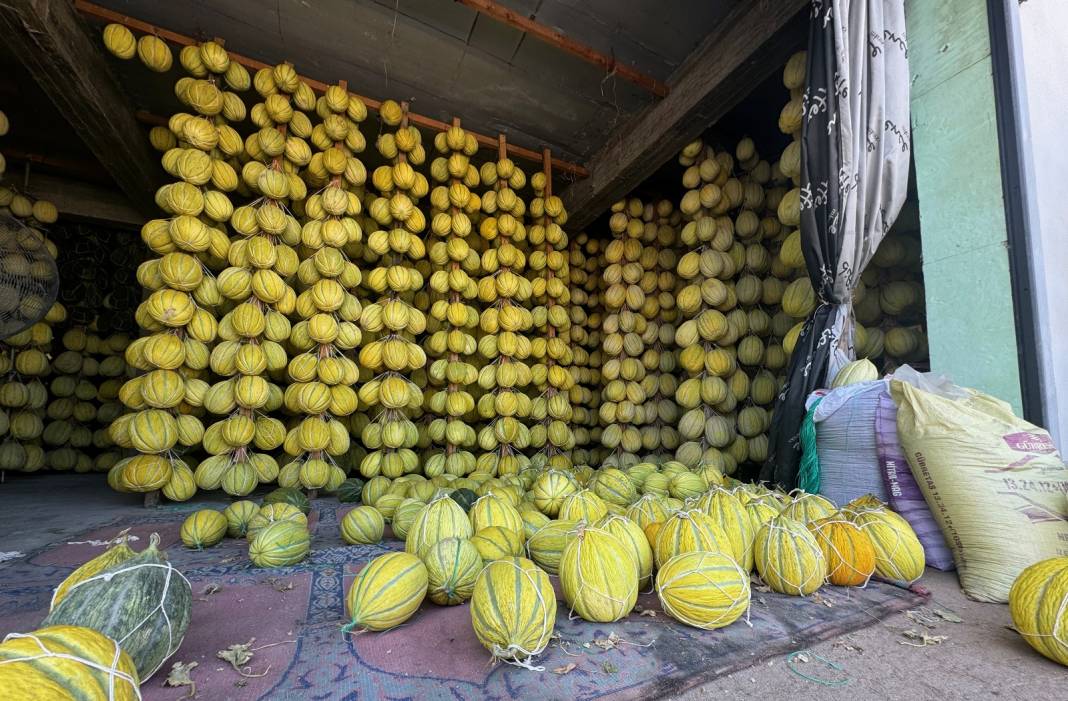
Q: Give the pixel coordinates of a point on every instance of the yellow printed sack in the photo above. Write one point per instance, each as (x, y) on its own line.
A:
(995, 483)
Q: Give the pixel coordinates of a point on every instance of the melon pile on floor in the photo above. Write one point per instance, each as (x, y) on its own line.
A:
(695, 536)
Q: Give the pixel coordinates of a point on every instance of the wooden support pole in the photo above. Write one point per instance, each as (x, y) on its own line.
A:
(749, 44)
(91, 10)
(561, 41)
(50, 40)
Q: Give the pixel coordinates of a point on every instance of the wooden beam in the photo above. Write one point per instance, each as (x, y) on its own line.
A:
(747, 46)
(561, 41)
(91, 10)
(81, 200)
(50, 40)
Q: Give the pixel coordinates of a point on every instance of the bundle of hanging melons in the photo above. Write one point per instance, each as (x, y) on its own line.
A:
(695, 535)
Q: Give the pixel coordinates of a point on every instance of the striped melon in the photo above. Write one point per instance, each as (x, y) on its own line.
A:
(452, 567)
(702, 589)
(689, 531)
(615, 487)
(492, 510)
(583, 505)
(289, 495)
(634, 539)
(599, 576)
(513, 609)
(728, 513)
(497, 543)
(1038, 603)
(117, 553)
(66, 662)
(274, 513)
(788, 557)
(440, 519)
(143, 601)
(649, 509)
(848, 550)
(809, 507)
(386, 592)
(899, 556)
(362, 526)
(547, 545)
(279, 544)
(238, 515)
(203, 529)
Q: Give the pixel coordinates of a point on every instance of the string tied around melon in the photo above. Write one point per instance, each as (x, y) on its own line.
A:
(515, 654)
(799, 586)
(113, 672)
(172, 646)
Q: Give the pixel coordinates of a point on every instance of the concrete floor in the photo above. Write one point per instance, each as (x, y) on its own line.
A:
(979, 658)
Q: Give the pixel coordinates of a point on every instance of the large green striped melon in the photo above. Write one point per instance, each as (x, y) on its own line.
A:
(143, 602)
(119, 552)
(350, 490)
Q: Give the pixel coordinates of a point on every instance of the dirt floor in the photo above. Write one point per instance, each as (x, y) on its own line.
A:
(980, 657)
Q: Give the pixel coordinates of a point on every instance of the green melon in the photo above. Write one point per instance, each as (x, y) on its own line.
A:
(143, 602)
(289, 495)
(350, 491)
(466, 498)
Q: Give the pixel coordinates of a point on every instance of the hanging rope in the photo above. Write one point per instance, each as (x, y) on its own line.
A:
(808, 471)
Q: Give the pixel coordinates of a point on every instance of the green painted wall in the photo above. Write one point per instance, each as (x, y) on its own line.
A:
(958, 179)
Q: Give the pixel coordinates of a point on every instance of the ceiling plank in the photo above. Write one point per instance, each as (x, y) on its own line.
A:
(53, 44)
(744, 49)
(81, 200)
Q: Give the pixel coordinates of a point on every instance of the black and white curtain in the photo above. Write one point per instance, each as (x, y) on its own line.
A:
(855, 142)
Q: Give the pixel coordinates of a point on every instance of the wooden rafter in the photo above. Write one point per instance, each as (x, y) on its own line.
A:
(749, 44)
(561, 41)
(50, 40)
(91, 10)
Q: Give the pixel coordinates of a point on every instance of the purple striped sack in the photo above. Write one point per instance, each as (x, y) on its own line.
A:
(904, 494)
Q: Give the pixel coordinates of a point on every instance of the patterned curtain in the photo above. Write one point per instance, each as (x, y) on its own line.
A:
(855, 142)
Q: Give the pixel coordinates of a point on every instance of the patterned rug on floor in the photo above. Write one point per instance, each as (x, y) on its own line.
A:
(297, 612)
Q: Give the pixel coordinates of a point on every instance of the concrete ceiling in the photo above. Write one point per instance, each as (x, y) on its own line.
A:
(448, 60)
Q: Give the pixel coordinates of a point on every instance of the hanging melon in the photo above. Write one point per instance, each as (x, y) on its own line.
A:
(66, 662)
(143, 602)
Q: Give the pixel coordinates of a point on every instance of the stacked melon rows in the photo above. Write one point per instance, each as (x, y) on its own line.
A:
(586, 283)
(83, 401)
(180, 316)
(453, 318)
(660, 436)
(629, 328)
(551, 410)
(889, 302)
(393, 320)
(694, 536)
(321, 375)
(506, 322)
(24, 361)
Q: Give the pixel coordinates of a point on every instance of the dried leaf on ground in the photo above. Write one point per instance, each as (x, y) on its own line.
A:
(923, 639)
(802, 657)
(279, 586)
(848, 645)
(239, 656)
(565, 668)
(208, 591)
(609, 668)
(179, 676)
(923, 616)
(647, 612)
(948, 616)
(609, 643)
